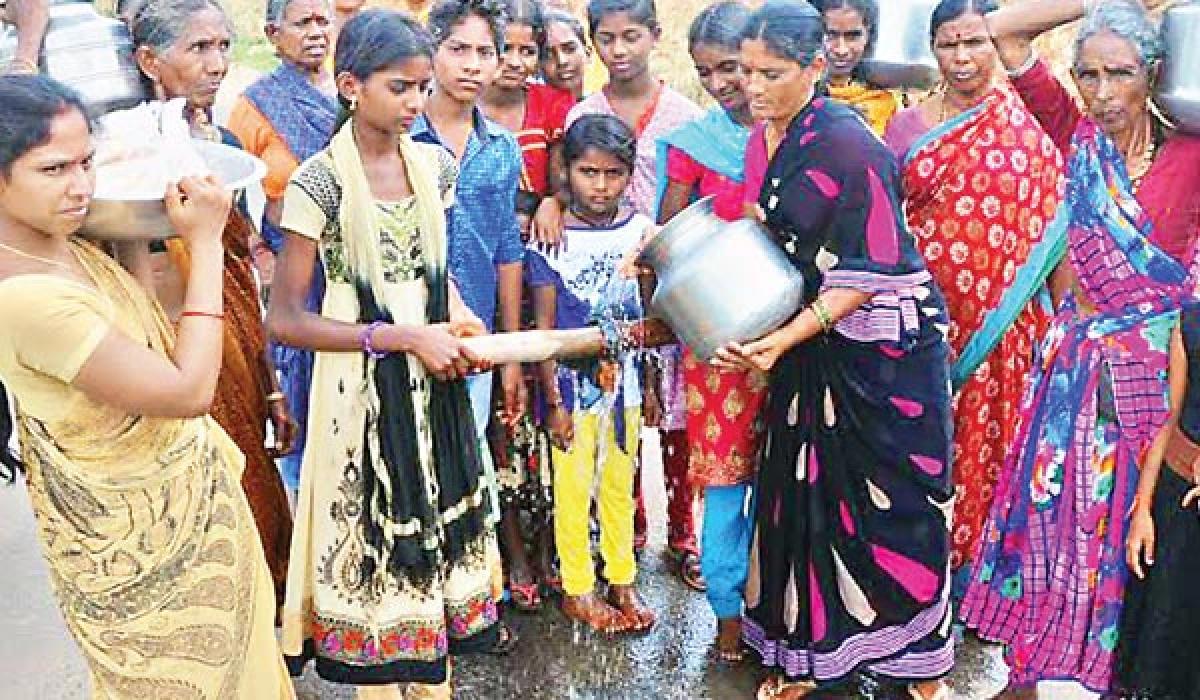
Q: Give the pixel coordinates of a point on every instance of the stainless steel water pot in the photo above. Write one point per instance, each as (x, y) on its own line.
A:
(902, 56)
(90, 53)
(1179, 85)
(720, 282)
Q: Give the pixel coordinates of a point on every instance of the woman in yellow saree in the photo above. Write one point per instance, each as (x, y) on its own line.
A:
(152, 550)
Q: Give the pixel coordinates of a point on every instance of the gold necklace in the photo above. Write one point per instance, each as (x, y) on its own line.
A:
(31, 256)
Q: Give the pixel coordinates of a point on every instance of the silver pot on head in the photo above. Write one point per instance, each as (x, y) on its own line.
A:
(902, 56)
(1179, 86)
(89, 53)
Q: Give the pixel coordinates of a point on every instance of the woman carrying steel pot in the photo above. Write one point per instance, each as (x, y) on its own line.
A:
(982, 180)
(848, 568)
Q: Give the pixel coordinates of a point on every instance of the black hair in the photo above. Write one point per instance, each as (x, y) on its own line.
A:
(641, 11)
(527, 203)
(792, 29)
(527, 12)
(719, 24)
(950, 10)
(29, 104)
(448, 14)
(374, 40)
(557, 16)
(603, 132)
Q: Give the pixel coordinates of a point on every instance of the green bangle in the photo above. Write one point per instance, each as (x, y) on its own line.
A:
(824, 318)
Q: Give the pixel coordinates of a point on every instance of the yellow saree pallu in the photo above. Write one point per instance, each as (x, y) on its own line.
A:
(876, 105)
(152, 550)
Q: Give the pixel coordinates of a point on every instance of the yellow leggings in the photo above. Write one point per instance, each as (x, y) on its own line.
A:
(574, 474)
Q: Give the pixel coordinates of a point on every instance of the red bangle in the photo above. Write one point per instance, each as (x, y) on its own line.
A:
(202, 314)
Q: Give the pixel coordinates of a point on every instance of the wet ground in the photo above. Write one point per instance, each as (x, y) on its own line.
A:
(555, 660)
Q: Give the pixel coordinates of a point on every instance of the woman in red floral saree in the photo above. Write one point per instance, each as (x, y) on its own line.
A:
(982, 189)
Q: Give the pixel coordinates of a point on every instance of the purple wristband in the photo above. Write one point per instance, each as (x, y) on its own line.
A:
(365, 341)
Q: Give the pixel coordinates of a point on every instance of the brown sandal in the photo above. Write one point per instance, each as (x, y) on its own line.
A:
(638, 616)
(593, 611)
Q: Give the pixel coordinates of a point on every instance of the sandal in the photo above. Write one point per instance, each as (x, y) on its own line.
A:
(776, 688)
(552, 584)
(638, 616)
(525, 596)
(593, 611)
(942, 693)
(506, 641)
(690, 573)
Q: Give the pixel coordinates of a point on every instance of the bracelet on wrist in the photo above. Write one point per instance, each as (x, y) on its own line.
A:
(1020, 71)
(824, 318)
(365, 341)
(191, 313)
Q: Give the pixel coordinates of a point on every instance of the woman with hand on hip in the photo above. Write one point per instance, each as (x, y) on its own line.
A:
(182, 46)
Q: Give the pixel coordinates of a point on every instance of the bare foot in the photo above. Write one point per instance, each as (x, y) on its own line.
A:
(638, 616)
(729, 640)
(929, 690)
(1018, 693)
(593, 611)
(776, 688)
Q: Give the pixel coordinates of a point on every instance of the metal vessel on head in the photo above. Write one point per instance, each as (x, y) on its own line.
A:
(1179, 86)
(90, 53)
(902, 56)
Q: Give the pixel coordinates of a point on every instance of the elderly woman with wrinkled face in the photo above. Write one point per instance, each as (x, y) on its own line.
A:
(1098, 402)
(182, 47)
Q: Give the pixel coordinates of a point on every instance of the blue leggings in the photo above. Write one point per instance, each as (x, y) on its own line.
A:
(725, 548)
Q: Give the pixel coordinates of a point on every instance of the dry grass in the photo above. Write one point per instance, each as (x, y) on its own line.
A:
(670, 61)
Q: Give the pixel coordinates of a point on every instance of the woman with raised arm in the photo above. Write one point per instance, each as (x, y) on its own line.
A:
(1118, 58)
(391, 555)
(1050, 574)
(848, 568)
(982, 181)
(150, 544)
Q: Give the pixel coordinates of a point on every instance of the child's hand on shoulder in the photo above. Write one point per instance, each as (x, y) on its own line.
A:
(631, 265)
